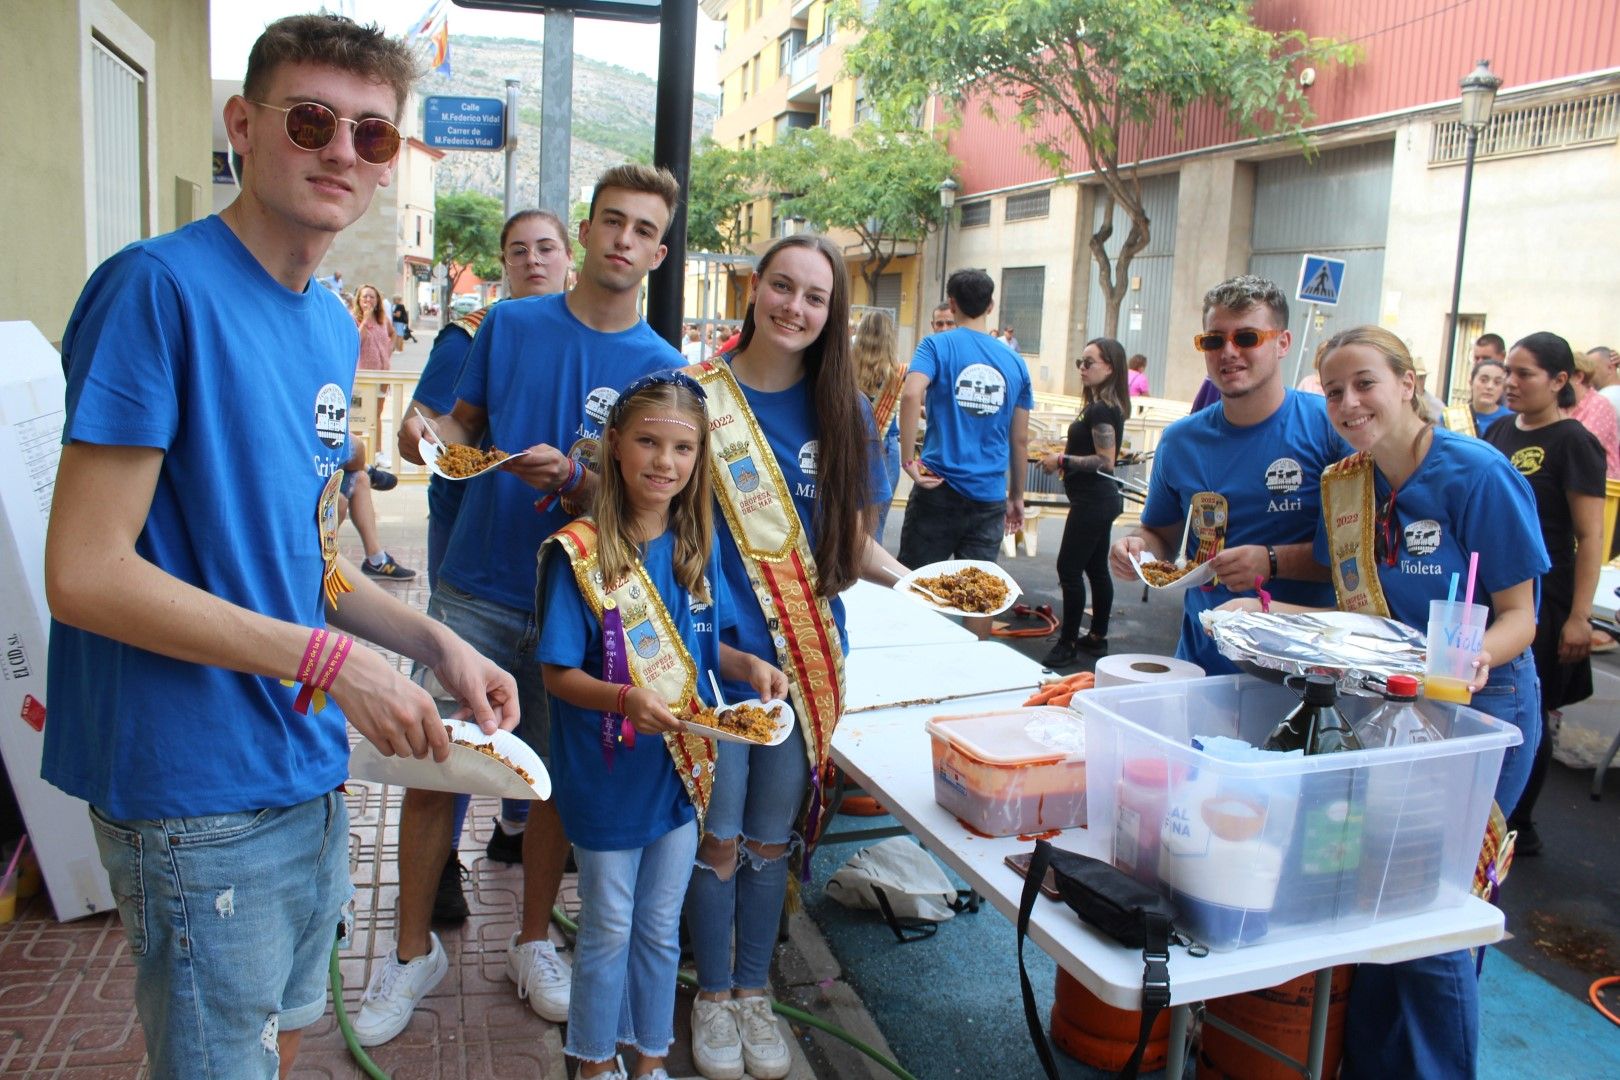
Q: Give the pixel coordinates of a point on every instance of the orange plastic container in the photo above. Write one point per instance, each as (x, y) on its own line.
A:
(1018, 771)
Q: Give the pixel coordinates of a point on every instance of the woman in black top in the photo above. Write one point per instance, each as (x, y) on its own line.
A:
(1564, 464)
(1094, 499)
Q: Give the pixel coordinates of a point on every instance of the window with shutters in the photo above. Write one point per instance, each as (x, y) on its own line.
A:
(118, 121)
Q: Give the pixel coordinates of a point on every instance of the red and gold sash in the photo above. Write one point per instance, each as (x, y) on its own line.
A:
(1347, 510)
(883, 408)
(758, 506)
(657, 656)
(471, 321)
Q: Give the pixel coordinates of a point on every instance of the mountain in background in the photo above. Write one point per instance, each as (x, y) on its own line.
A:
(613, 116)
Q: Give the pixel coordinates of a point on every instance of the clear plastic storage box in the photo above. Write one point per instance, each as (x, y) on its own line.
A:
(1262, 851)
(1010, 772)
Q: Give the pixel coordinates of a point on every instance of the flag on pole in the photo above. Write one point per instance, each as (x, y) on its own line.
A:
(432, 36)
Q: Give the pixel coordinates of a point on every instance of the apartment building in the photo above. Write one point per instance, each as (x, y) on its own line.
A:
(782, 68)
(1383, 192)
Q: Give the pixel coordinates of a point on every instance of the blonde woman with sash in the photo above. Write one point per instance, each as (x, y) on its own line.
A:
(790, 454)
(880, 375)
(1399, 517)
(630, 611)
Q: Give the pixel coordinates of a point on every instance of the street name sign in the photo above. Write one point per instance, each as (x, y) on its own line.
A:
(464, 123)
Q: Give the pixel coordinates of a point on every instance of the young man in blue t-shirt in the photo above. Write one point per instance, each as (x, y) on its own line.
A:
(1262, 449)
(979, 397)
(184, 591)
(540, 376)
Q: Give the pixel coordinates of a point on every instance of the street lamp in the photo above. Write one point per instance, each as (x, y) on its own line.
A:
(947, 199)
(1478, 95)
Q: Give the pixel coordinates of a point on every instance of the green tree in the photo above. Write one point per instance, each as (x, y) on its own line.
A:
(467, 232)
(722, 182)
(1109, 71)
(881, 183)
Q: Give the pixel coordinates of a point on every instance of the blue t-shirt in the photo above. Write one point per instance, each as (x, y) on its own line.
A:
(975, 384)
(640, 798)
(1464, 497)
(543, 377)
(1270, 474)
(1483, 421)
(788, 419)
(436, 388)
(185, 343)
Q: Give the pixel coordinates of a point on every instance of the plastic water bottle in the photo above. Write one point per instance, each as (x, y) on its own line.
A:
(1405, 822)
(1397, 722)
(1320, 876)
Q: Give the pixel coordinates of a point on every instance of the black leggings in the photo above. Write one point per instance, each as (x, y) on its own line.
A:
(1084, 554)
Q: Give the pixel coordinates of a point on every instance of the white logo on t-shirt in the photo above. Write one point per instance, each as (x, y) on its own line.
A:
(1422, 537)
(1284, 476)
(332, 415)
(807, 457)
(981, 389)
(599, 401)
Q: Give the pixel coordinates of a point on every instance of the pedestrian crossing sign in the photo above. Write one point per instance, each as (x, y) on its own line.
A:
(1320, 280)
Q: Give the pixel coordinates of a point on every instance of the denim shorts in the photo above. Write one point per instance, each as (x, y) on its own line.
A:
(509, 637)
(231, 920)
(942, 524)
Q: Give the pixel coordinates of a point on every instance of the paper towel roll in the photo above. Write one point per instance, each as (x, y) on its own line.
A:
(1124, 669)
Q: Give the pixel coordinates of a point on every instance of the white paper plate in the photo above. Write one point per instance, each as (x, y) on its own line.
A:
(1203, 575)
(950, 566)
(466, 771)
(784, 725)
(430, 452)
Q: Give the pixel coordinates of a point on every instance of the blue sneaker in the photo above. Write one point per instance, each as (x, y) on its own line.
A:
(388, 569)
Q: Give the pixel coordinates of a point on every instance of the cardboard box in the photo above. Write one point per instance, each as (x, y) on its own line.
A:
(31, 419)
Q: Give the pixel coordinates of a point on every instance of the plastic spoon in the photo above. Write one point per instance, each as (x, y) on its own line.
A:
(719, 698)
(1186, 530)
(427, 425)
(935, 597)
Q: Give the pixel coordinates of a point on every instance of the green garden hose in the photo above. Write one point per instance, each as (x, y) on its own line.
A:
(798, 1016)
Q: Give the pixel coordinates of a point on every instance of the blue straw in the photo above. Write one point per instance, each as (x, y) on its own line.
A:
(1451, 596)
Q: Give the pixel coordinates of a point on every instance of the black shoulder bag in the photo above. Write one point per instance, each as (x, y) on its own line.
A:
(1119, 906)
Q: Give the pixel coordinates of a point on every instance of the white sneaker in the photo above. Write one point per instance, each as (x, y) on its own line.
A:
(394, 991)
(716, 1044)
(764, 1050)
(541, 976)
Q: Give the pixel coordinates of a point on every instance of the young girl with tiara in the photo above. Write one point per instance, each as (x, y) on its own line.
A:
(630, 596)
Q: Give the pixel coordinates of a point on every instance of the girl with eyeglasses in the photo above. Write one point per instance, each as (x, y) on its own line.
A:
(1094, 500)
(537, 255)
(1431, 497)
(1564, 464)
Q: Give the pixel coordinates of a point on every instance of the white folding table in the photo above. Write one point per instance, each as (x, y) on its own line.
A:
(887, 753)
(877, 617)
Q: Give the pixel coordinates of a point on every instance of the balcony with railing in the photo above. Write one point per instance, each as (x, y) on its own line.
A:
(801, 72)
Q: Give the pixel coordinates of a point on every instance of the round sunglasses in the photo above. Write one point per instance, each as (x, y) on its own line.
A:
(312, 126)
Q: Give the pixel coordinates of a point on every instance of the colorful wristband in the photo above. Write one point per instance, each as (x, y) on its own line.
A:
(312, 656)
(334, 663)
(624, 692)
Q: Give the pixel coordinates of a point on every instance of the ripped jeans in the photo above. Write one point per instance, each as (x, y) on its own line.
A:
(230, 920)
(757, 793)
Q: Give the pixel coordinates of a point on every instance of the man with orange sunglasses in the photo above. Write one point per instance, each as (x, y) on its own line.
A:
(1262, 452)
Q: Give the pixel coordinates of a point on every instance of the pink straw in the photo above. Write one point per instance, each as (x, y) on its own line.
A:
(1473, 568)
(15, 855)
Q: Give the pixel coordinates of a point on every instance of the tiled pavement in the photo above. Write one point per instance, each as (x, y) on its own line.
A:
(67, 990)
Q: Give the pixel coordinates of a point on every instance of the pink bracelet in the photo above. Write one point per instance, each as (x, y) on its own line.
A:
(312, 656)
(624, 692)
(334, 663)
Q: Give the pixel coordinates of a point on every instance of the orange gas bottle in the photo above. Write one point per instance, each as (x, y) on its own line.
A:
(1280, 1017)
(1090, 1030)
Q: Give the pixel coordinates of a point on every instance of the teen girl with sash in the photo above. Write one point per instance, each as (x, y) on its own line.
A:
(630, 597)
(790, 439)
(1564, 465)
(880, 376)
(1399, 517)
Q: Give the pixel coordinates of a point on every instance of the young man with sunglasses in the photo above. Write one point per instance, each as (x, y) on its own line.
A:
(540, 377)
(189, 605)
(1262, 450)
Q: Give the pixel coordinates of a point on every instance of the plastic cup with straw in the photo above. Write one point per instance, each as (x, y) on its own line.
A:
(1455, 638)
